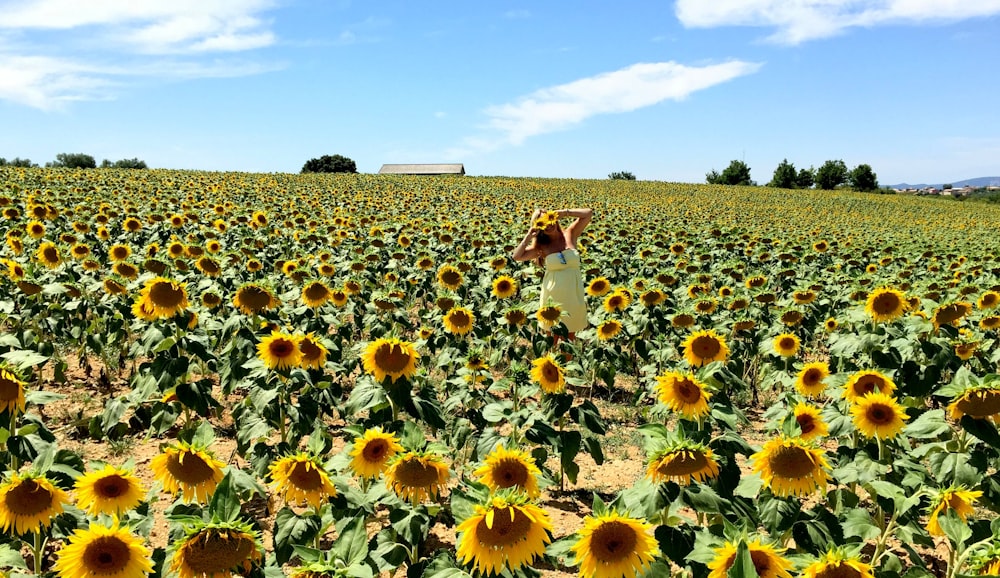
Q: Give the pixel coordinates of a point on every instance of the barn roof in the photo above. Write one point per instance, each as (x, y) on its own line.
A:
(423, 169)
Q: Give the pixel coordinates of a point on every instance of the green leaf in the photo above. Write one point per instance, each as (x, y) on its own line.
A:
(11, 558)
(25, 359)
(37, 397)
(291, 530)
(928, 425)
(981, 429)
(749, 486)
(858, 523)
(225, 502)
(742, 564)
(352, 544)
(412, 524)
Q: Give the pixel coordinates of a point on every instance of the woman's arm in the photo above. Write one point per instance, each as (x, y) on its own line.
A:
(525, 250)
(583, 216)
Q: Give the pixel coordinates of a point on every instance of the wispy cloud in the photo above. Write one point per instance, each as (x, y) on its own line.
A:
(58, 51)
(560, 107)
(797, 21)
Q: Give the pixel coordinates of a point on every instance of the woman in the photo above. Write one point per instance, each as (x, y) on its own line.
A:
(550, 245)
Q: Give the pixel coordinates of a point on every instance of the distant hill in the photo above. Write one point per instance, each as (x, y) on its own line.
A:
(974, 183)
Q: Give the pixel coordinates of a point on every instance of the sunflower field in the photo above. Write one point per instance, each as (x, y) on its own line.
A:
(218, 374)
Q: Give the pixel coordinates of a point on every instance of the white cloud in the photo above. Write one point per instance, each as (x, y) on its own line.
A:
(797, 21)
(56, 51)
(559, 107)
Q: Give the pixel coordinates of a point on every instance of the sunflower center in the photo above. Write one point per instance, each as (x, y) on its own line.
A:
(305, 476)
(254, 298)
(106, 555)
(281, 347)
(310, 351)
(209, 266)
(786, 344)
(189, 468)
(510, 472)
(216, 552)
(29, 498)
(451, 277)
(550, 372)
(505, 531)
(166, 294)
(683, 463)
(459, 319)
(392, 358)
(598, 286)
(761, 562)
(949, 314)
(880, 414)
(503, 286)
(989, 300)
(812, 377)
(375, 450)
(10, 389)
(838, 570)
(111, 486)
(316, 291)
(978, 404)
(706, 346)
(613, 541)
(791, 462)
(886, 303)
(615, 301)
(551, 313)
(806, 423)
(868, 384)
(687, 391)
(50, 254)
(415, 474)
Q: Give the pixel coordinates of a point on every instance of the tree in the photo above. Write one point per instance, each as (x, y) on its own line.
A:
(737, 173)
(73, 161)
(622, 176)
(133, 163)
(863, 178)
(806, 178)
(330, 164)
(831, 175)
(17, 162)
(784, 176)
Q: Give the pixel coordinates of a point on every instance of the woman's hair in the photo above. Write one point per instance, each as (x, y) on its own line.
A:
(543, 238)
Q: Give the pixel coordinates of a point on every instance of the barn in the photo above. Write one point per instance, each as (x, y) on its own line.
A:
(423, 169)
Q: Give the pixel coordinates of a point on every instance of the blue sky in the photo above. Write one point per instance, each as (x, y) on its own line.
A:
(665, 90)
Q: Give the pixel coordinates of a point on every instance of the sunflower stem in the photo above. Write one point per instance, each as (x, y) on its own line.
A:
(14, 462)
(36, 551)
(881, 449)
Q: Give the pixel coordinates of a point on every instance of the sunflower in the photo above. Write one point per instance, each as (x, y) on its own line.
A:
(315, 294)
(683, 394)
(616, 301)
(102, 551)
(79, 251)
(791, 467)
(988, 300)
(548, 374)
(704, 347)
(29, 502)
(119, 252)
(164, 297)
(810, 422)
(959, 499)
(684, 464)
(187, 470)
(390, 357)
(313, 352)
(11, 391)
(279, 351)
(300, 480)
(459, 320)
(614, 546)
(867, 381)
(339, 297)
(416, 477)
(803, 297)
(786, 345)
(505, 468)
(767, 560)
(738, 304)
(834, 563)
(507, 533)
(608, 329)
(48, 255)
(372, 452)
(966, 350)
(253, 298)
(810, 379)
(515, 317)
(109, 490)
(35, 229)
(878, 415)
(449, 277)
(599, 287)
(654, 297)
(216, 550)
(209, 266)
(791, 317)
(950, 314)
(756, 282)
(549, 315)
(682, 320)
(886, 304)
(990, 323)
(981, 402)
(504, 287)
